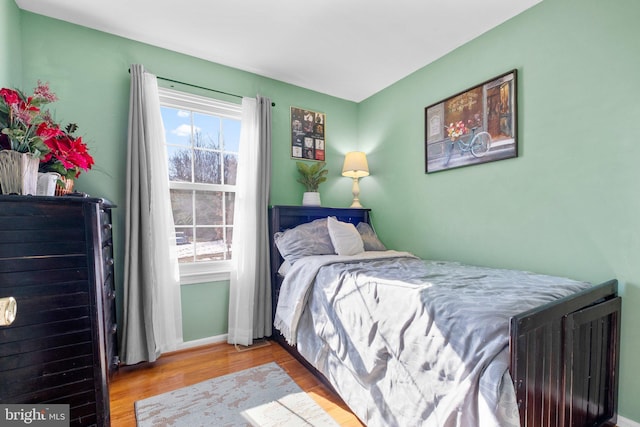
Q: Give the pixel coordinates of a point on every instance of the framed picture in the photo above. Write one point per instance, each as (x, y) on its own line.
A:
(307, 134)
(478, 125)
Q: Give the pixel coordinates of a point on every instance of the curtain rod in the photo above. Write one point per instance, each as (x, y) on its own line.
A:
(273, 104)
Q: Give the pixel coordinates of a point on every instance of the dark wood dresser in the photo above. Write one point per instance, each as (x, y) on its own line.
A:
(56, 261)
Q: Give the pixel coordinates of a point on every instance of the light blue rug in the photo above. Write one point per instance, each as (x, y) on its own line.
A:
(261, 396)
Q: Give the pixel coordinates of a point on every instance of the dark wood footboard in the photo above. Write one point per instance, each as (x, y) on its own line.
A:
(564, 360)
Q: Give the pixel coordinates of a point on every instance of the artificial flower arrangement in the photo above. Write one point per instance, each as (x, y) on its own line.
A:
(26, 127)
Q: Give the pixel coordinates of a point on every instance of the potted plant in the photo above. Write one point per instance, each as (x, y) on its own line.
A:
(24, 129)
(68, 157)
(31, 142)
(311, 177)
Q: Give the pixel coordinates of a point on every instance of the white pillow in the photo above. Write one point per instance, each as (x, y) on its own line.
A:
(345, 237)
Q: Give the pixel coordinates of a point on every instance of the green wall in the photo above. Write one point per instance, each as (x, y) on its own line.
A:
(10, 45)
(210, 301)
(88, 70)
(569, 204)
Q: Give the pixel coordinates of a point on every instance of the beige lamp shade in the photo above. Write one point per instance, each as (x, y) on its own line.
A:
(355, 165)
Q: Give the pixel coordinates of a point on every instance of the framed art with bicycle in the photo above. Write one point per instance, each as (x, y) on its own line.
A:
(478, 125)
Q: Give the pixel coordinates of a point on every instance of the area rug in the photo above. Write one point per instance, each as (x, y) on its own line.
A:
(261, 396)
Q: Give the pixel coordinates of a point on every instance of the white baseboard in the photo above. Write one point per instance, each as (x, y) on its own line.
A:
(204, 341)
(625, 422)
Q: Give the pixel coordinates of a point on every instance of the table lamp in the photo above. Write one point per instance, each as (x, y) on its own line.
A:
(355, 166)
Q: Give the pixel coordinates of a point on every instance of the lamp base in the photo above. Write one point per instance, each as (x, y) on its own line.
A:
(355, 189)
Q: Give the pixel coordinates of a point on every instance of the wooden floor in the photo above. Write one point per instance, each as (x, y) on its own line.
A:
(188, 367)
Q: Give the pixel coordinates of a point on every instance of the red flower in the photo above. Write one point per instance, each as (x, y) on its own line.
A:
(47, 131)
(10, 96)
(70, 152)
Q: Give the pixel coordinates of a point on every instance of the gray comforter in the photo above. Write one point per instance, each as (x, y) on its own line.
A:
(408, 342)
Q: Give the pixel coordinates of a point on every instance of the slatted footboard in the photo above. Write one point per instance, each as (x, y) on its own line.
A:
(564, 360)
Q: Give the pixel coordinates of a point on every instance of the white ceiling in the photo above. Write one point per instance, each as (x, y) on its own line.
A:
(350, 49)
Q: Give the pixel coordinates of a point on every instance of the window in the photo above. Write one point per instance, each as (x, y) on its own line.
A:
(202, 137)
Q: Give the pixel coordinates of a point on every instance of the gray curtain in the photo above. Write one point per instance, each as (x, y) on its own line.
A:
(250, 284)
(151, 276)
(262, 318)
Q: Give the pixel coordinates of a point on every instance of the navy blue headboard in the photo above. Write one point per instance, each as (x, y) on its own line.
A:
(286, 217)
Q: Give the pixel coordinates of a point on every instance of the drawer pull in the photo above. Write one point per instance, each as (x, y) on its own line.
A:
(8, 310)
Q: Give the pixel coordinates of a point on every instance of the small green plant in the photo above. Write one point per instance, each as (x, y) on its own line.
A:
(312, 176)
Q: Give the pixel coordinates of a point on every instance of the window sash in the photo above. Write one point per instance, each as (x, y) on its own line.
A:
(200, 104)
(203, 271)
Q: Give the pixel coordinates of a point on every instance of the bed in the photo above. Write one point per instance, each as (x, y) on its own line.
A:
(373, 326)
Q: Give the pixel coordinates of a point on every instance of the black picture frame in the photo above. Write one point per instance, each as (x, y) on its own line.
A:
(475, 126)
(308, 140)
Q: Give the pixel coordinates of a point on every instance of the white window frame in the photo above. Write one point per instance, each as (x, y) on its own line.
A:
(212, 271)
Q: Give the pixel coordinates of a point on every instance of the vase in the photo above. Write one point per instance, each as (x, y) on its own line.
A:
(311, 198)
(18, 172)
(47, 182)
(66, 188)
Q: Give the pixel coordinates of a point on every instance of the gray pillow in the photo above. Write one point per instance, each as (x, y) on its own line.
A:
(311, 238)
(369, 238)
